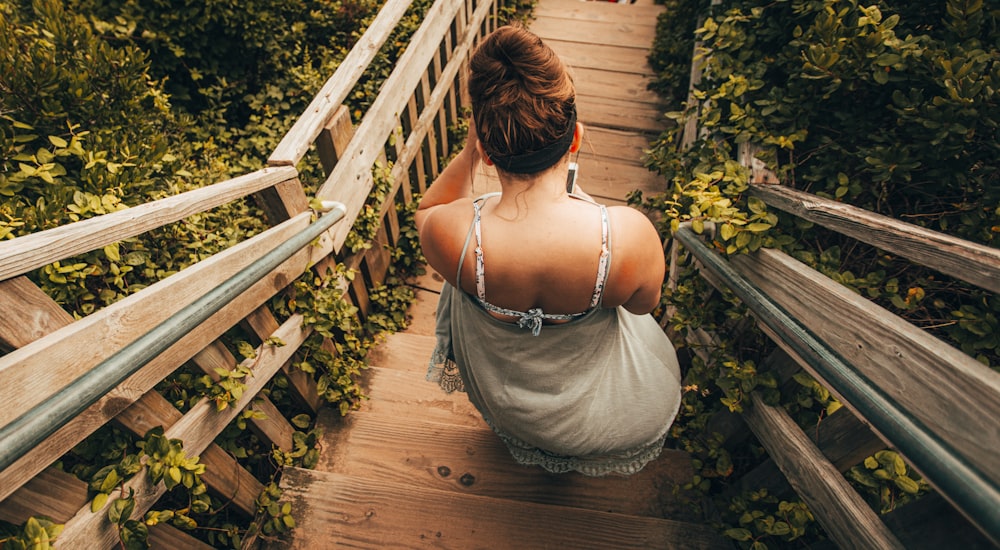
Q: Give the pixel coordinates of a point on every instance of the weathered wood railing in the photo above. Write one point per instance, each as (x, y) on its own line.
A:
(902, 388)
(50, 352)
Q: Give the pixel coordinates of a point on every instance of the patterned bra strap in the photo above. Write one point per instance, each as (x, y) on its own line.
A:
(480, 265)
(605, 260)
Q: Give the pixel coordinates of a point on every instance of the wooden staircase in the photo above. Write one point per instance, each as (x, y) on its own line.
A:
(419, 468)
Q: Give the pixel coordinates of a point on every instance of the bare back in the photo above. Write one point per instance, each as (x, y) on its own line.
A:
(546, 254)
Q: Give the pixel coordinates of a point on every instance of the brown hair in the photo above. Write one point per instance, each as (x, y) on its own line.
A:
(523, 99)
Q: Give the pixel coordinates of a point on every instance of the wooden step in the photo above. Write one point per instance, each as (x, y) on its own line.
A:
(409, 395)
(405, 351)
(473, 460)
(341, 510)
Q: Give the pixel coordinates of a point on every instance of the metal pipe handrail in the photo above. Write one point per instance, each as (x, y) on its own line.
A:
(41, 421)
(974, 494)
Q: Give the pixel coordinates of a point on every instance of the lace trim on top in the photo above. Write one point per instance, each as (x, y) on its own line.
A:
(534, 317)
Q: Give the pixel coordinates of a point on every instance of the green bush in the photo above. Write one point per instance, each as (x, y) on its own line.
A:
(890, 106)
(136, 101)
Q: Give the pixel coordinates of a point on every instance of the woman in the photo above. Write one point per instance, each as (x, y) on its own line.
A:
(544, 320)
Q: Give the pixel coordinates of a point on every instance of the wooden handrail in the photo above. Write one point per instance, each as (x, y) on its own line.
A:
(65, 349)
(350, 181)
(958, 258)
(307, 127)
(951, 455)
(35, 250)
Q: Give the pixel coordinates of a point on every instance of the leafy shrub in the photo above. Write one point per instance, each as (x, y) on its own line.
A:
(889, 106)
(131, 103)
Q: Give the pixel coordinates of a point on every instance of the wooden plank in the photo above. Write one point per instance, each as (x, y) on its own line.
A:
(156, 411)
(611, 183)
(602, 145)
(595, 110)
(946, 390)
(307, 127)
(627, 34)
(844, 515)
(409, 395)
(377, 258)
(30, 313)
(163, 535)
(69, 352)
(368, 514)
(843, 439)
(473, 460)
(618, 59)
(262, 323)
(932, 524)
(333, 139)
(404, 351)
(223, 475)
(282, 201)
(273, 428)
(606, 84)
(199, 426)
(965, 260)
(423, 311)
(113, 322)
(29, 252)
(52, 493)
(381, 117)
(601, 12)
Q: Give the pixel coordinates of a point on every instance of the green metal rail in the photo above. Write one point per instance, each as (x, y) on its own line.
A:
(974, 494)
(33, 427)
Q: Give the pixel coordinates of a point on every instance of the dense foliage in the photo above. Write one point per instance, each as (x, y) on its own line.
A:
(110, 104)
(887, 105)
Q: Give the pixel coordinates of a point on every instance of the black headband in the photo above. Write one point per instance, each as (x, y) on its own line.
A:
(536, 161)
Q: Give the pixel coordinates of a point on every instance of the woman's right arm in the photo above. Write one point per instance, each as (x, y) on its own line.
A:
(454, 183)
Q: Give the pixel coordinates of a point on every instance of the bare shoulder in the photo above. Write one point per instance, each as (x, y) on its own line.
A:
(632, 228)
(442, 234)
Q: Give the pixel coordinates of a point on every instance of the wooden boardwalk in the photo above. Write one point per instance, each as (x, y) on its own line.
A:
(419, 468)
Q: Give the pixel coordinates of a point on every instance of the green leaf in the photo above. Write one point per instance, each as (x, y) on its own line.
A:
(58, 142)
(907, 485)
(739, 534)
(726, 231)
(301, 421)
(100, 499)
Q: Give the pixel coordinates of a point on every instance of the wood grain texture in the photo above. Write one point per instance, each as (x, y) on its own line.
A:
(630, 34)
(844, 515)
(197, 428)
(34, 372)
(382, 117)
(335, 510)
(273, 428)
(32, 251)
(407, 394)
(141, 382)
(163, 535)
(843, 439)
(53, 493)
(946, 390)
(473, 460)
(965, 260)
(262, 323)
(603, 12)
(224, 476)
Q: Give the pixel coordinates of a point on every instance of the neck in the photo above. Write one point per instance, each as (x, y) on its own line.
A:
(545, 189)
